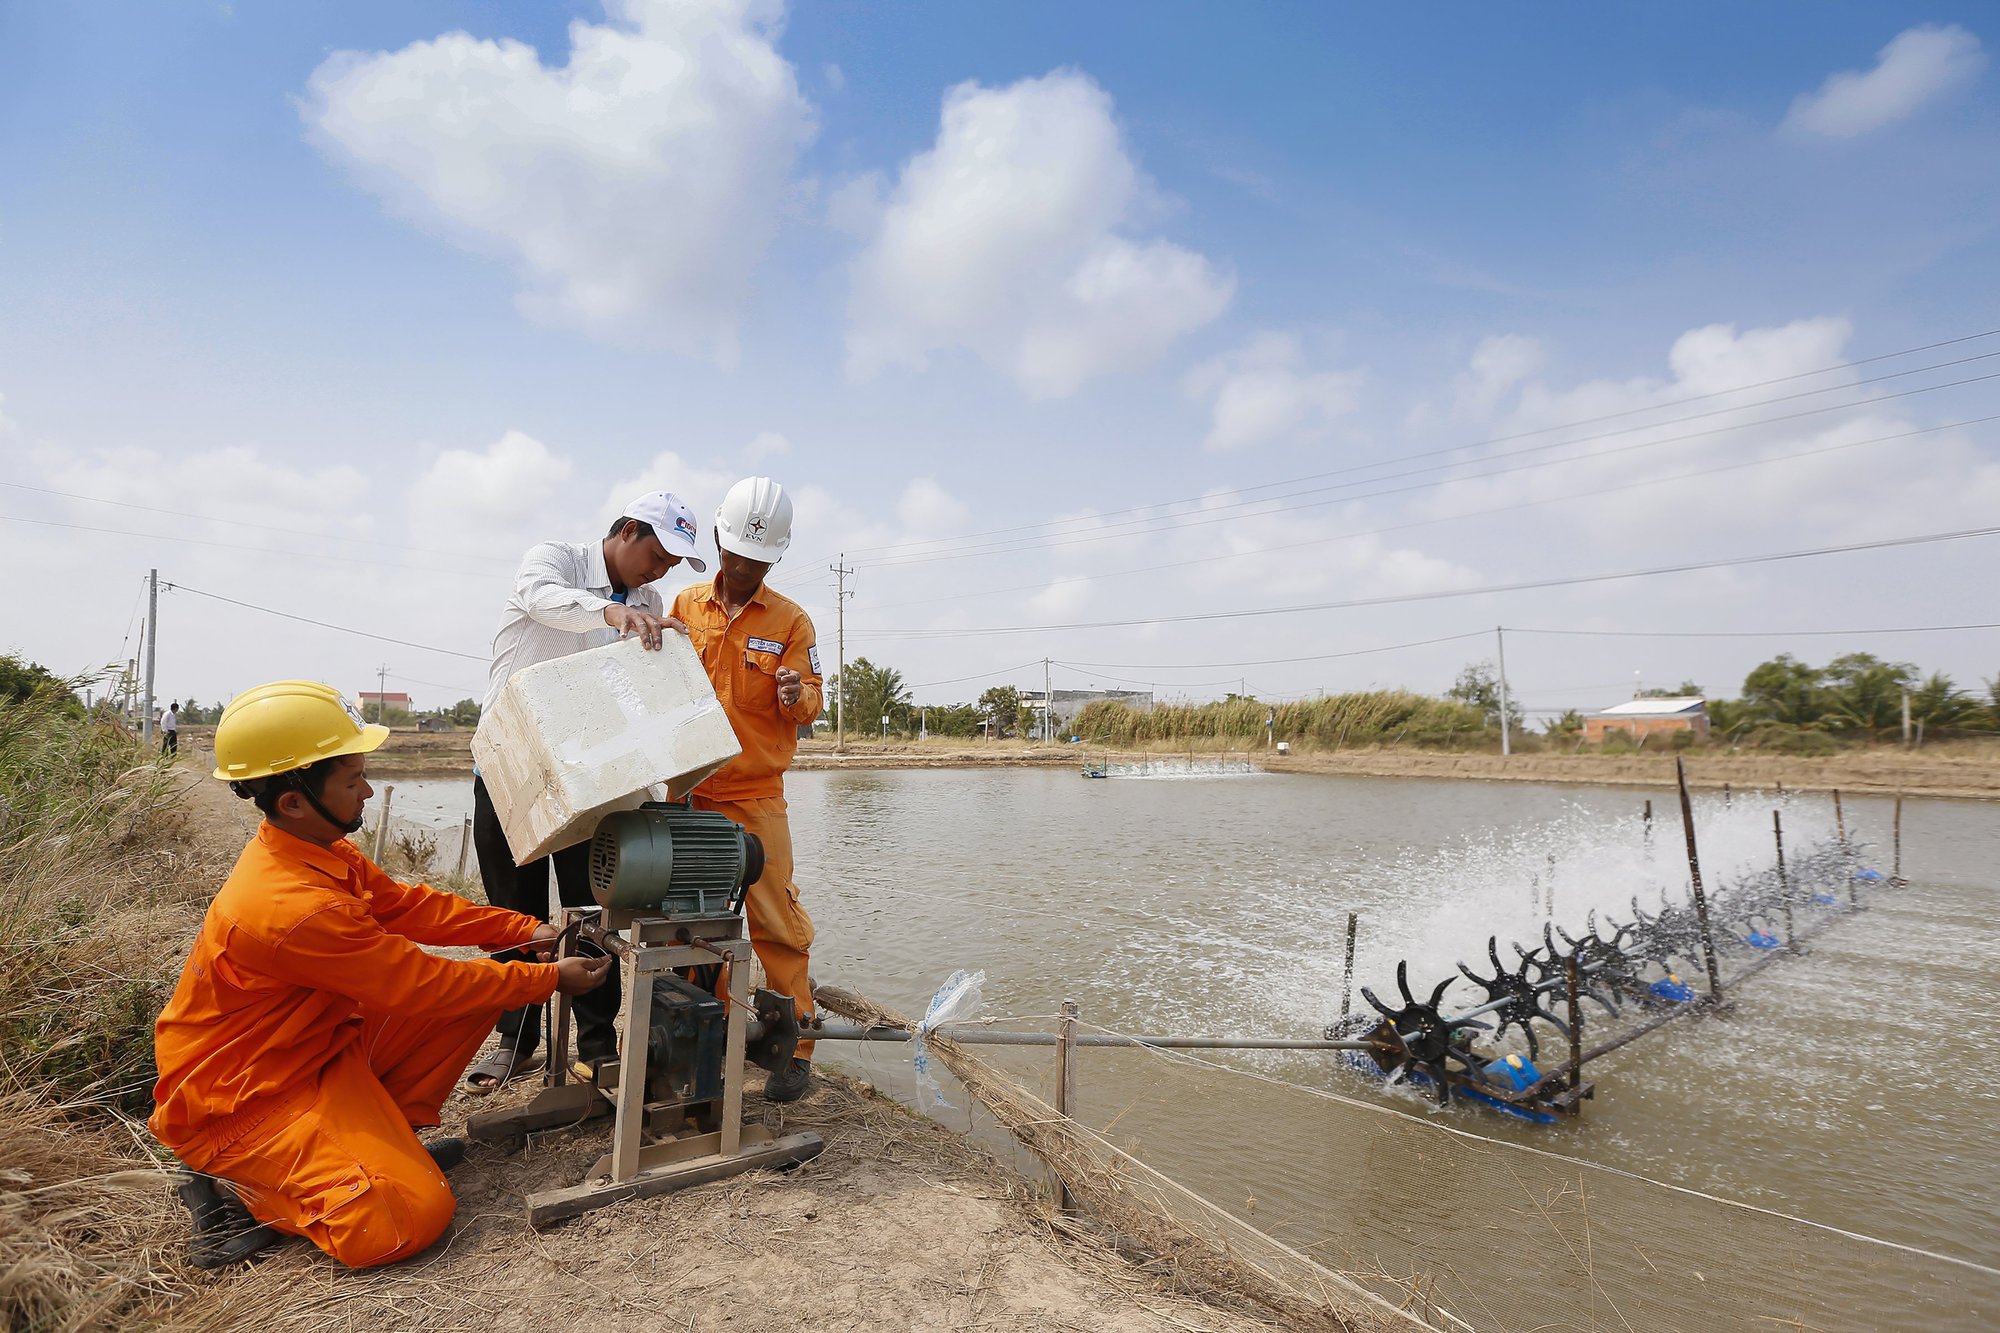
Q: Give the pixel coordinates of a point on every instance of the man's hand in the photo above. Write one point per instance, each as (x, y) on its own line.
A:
(577, 975)
(789, 688)
(645, 624)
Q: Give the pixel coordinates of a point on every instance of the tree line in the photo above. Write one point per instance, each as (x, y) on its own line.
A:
(1785, 703)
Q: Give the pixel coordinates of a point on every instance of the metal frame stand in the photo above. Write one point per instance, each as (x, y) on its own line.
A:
(682, 1154)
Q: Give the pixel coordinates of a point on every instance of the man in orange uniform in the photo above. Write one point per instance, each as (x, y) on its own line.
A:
(763, 659)
(310, 1035)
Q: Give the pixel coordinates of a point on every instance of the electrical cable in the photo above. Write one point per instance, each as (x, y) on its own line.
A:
(227, 546)
(1285, 661)
(1748, 633)
(1500, 439)
(1448, 593)
(308, 620)
(1223, 513)
(1463, 514)
(244, 523)
(984, 675)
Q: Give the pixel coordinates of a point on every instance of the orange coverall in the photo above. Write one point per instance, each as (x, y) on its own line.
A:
(742, 657)
(309, 1035)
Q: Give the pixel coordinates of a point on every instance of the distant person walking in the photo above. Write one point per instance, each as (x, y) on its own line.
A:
(170, 731)
(569, 596)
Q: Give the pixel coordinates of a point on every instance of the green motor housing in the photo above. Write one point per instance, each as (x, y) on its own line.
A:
(673, 860)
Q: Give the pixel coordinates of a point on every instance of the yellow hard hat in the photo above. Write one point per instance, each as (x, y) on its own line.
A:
(286, 725)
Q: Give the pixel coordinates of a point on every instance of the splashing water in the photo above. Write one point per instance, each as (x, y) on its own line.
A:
(1513, 881)
(1183, 770)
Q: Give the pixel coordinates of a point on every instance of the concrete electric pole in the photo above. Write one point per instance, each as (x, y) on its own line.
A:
(1506, 715)
(840, 596)
(152, 649)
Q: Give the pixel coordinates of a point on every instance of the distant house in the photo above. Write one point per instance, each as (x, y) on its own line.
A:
(1645, 717)
(386, 703)
(1068, 703)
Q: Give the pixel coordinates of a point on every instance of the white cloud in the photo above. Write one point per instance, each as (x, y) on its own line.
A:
(1008, 237)
(836, 78)
(1259, 393)
(490, 498)
(1064, 596)
(768, 444)
(1498, 366)
(927, 509)
(634, 188)
(1920, 65)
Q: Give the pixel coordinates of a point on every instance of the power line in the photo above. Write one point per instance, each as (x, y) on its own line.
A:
(1225, 513)
(1500, 439)
(434, 684)
(308, 620)
(984, 675)
(1446, 593)
(1749, 634)
(242, 523)
(227, 546)
(1282, 661)
(1571, 497)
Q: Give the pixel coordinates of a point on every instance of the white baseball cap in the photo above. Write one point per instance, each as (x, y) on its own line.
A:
(672, 522)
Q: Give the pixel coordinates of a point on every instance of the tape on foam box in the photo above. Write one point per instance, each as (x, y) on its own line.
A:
(570, 740)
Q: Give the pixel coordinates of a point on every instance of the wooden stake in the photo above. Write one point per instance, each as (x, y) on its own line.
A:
(382, 828)
(1066, 1086)
(464, 844)
(1575, 1037)
(1846, 854)
(1694, 874)
(1784, 881)
(1347, 969)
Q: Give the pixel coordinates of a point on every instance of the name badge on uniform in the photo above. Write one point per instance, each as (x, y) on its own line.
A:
(812, 656)
(765, 646)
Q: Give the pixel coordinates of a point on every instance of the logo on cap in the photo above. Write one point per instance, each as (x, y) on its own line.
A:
(684, 526)
(754, 528)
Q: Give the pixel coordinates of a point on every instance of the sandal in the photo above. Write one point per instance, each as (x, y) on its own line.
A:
(500, 1067)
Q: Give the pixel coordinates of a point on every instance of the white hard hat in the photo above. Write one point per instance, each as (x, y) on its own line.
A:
(755, 520)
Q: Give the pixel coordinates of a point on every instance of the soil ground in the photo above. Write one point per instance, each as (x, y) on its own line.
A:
(898, 1224)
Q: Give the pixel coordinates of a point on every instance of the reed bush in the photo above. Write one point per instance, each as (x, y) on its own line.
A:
(99, 890)
(1380, 717)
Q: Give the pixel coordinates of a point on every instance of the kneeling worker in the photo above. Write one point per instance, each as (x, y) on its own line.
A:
(310, 1036)
(762, 657)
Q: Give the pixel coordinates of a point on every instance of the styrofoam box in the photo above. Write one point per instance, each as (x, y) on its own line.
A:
(570, 740)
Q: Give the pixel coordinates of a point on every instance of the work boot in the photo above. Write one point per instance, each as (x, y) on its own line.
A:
(447, 1153)
(790, 1084)
(224, 1231)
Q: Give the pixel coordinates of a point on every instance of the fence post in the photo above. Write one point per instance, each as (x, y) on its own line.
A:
(1694, 873)
(1066, 1086)
(464, 844)
(382, 827)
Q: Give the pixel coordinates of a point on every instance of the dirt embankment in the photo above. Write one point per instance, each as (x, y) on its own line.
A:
(1866, 772)
(1962, 770)
(899, 1223)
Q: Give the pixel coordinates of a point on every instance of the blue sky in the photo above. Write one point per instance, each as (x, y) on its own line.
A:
(387, 305)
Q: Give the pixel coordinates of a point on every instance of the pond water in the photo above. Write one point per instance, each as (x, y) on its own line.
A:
(1851, 1087)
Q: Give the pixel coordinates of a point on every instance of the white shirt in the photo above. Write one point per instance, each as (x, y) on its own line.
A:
(170, 721)
(557, 608)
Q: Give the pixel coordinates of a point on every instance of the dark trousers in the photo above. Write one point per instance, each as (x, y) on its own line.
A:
(170, 742)
(526, 889)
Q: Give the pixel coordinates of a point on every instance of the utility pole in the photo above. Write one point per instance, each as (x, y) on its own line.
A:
(840, 596)
(1906, 717)
(1506, 714)
(1048, 706)
(382, 695)
(152, 648)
